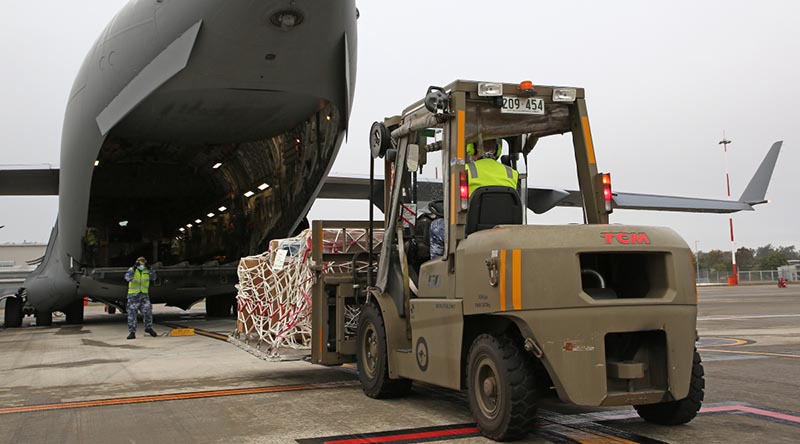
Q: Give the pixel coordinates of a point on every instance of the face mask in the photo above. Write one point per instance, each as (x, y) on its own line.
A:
(141, 267)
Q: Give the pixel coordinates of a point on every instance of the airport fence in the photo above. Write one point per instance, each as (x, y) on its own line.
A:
(721, 277)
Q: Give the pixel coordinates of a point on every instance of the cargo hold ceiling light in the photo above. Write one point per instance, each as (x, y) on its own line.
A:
(197, 221)
(217, 165)
(123, 223)
(287, 19)
(96, 163)
(210, 214)
(222, 209)
(182, 229)
(189, 225)
(249, 194)
(263, 186)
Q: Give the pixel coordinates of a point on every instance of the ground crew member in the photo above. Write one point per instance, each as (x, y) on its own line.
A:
(139, 277)
(483, 170)
(91, 246)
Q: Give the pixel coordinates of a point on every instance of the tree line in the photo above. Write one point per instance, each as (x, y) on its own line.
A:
(761, 258)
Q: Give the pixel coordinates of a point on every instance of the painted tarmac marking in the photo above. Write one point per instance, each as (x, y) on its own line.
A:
(178, 397)
(404, 436)
(584, 428)
(732, 357)
(773, 415)
(757, 412)
(723, 342)
(740, 352)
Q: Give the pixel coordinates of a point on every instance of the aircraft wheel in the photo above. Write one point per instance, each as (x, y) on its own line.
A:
(74, 312)
(13, 314)
(501, 388)
(684, 410)
(372, 358)
(44, 318)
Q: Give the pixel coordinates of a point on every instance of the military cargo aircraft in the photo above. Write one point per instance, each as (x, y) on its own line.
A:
(198, 130)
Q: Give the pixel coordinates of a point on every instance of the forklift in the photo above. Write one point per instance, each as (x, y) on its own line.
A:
(598, 315)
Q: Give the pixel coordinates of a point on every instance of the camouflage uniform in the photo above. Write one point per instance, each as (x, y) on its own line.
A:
(437, 238)
(139, 301)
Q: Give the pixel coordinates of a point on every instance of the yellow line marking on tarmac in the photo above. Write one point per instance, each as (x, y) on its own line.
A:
(738, 352)
(736, 342)
(178, 397)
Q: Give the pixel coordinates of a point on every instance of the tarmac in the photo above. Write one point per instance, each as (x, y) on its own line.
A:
(88, 384)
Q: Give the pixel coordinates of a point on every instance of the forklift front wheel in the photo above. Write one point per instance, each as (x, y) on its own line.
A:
(372, 357)
(501, 388)
(684, 410)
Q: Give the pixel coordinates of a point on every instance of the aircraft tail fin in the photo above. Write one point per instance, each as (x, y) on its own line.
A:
(756, 190)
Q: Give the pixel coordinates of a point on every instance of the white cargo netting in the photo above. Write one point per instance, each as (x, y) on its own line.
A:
(274, 292)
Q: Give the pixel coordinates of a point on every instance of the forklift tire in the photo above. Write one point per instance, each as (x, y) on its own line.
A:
(13, 315)
(678, 412)
(44, 319)
(111, 309)
(501, 388)
(373, 364)
(73, 314)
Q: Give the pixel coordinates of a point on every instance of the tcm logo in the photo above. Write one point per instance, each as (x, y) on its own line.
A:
(626, 238)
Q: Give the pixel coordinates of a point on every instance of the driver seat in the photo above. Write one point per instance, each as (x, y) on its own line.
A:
(493, 206)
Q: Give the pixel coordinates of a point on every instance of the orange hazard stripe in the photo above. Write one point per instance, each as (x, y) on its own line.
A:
(587, 135)
(453, 184)
(176, 397)
(503, 280)
(461, 118)
(516, 278)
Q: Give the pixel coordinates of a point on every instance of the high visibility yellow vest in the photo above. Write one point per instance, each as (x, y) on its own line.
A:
(488, 172)
(140, 282)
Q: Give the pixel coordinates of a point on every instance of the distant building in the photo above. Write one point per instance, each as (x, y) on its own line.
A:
(792, 271)
(14, 265)
(17, 255)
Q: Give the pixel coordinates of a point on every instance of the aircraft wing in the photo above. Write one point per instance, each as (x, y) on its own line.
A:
(542, 200)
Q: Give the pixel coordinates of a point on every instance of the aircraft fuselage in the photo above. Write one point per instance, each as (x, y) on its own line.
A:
(181, 110)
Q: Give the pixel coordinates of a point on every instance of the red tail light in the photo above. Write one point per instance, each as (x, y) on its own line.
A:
(464, 190)
(607, 194)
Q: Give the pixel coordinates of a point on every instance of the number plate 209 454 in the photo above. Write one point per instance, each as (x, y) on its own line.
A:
(522, 105)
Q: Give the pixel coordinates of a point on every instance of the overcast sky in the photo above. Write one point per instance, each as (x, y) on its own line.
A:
(663, 80)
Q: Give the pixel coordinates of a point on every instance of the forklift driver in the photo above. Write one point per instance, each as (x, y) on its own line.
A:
(483, 170)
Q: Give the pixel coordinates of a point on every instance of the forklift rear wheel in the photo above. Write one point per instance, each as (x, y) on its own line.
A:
(684, 410)
(13, 315)
(501, 388)
(373, 364)
(44, 318)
